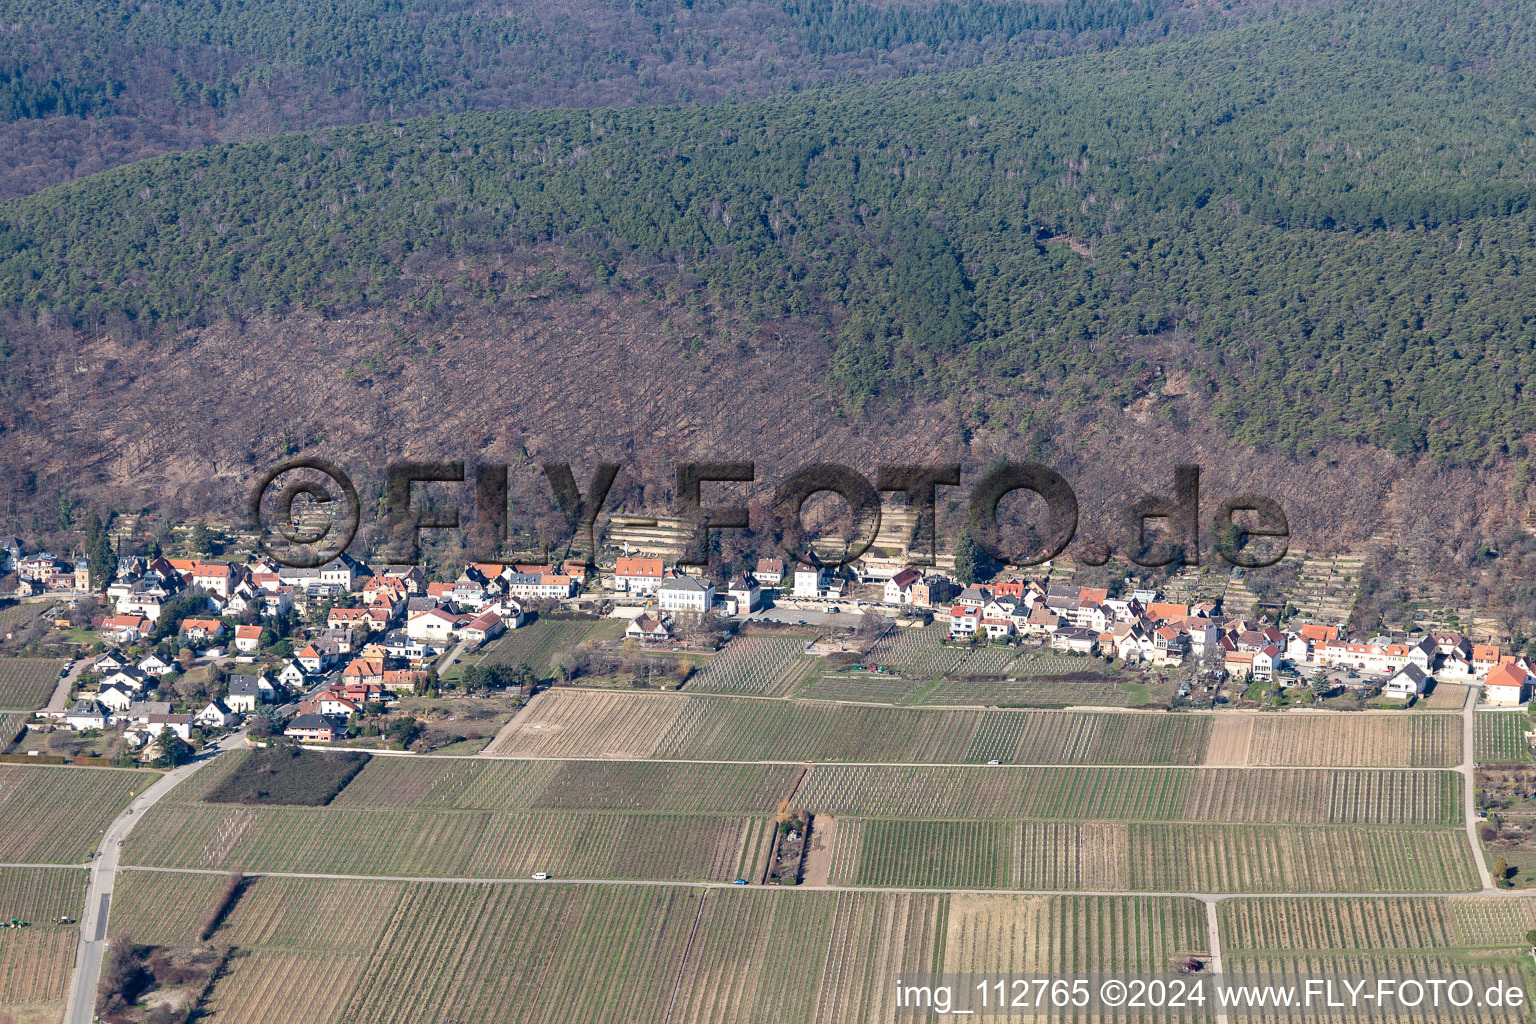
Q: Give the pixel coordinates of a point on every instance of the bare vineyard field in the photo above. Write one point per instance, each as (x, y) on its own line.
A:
(753, 665)
(575, 723)
(1149, 857)
(258, 986)
(524, 953)
(64, 809)
(1268, 969)
(877, 937)
(445, 843)
(35, 961)
(538, 645)
(1304, 796)
(1072, 935)
(758, 955)
(163, 907)
(1323, 924)
(14, 616)
(27, 683)
(41, 895)
(568, 785)
(1031, 691)
(1341, 740)
(1500, 737)
(900, 649)
(861, 686)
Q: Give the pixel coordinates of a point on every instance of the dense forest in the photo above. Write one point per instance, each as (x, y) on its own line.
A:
(1318, 225)
(88, 85)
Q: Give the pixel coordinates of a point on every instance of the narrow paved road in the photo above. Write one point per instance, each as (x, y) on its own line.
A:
(60, 699)
(1469, 772)
(1213, 939)
(81, 1006)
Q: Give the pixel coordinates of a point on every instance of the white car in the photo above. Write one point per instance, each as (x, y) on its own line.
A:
(541, 876)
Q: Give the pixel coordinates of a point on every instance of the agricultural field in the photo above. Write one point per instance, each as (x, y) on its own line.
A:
(35, 961)
(756, 665)
(560, 723)
(1412, 923)
(876, 937)
(14, 616)
(27, 683)
(569, 785)
(785, 933)
(861, 686)
(1337, 740)
(538, 645)
(1150, 857)
(1480, 972)
(449, 843)
(900, 649)
(1033, 691)
(1500, 737)
(1072, 935)
(1258, 795)
(64, 809)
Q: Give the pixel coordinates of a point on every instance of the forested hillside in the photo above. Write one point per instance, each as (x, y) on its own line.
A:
(96, 83)
(1319, 226)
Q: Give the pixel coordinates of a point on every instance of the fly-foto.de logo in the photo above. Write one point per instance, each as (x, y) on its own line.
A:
(311, 533)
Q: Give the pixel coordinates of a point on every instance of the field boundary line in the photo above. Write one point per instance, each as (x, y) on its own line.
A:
(1468, 769)
(1490, 895)
(935, 764)
(677, 983)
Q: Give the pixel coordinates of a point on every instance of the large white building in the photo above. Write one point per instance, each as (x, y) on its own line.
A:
(638, 575)
(685, 594)
(808, 582)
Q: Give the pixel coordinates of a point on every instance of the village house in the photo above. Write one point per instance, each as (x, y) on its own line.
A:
(213, 577)
(317, 656)
(770, 571)
(114, 698)
(1408, 681)
(746, 592)
(433, 626)
(1508, 683)
(1485, 658)
(638, 575)
(1078, 641)
(181, 725)
(314, 728)
(126, 628)
(86, 714)
(481, 628)
(544, 587)
(245, 692)
(809, 582)
(292, 675)
(898, 589)
(216, 715)
(247, 638)
(363, 672)
(404, 680)
(964, 619)
(932, 591)
(648, 628)
(128, 678)
(685, 594)
(202, 629)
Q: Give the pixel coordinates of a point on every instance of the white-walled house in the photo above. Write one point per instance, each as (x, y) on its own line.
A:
(809, 582)
(685, 594)
(1406, 682)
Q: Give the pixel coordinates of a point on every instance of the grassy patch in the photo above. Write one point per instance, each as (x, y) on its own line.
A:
(287, 775)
